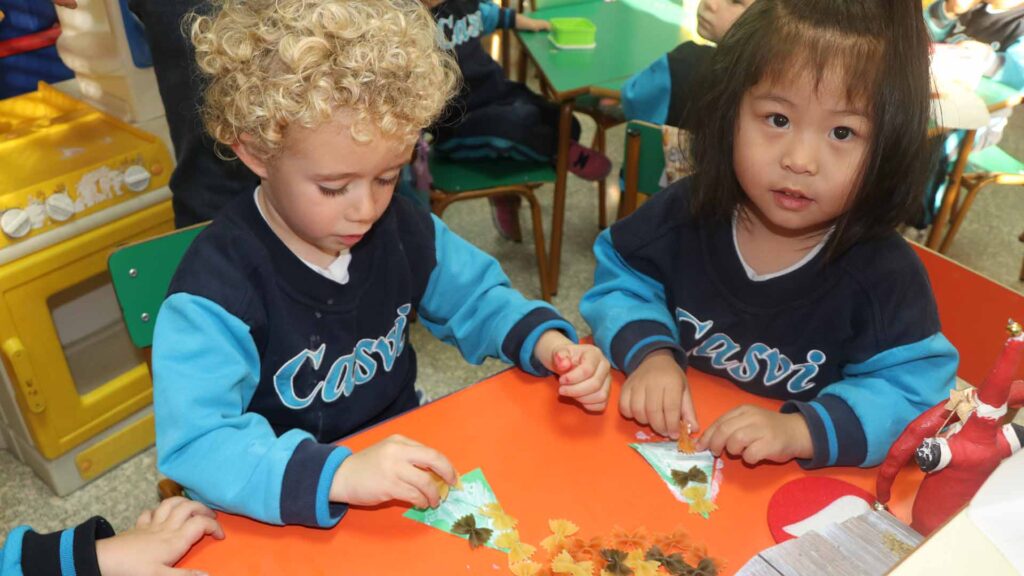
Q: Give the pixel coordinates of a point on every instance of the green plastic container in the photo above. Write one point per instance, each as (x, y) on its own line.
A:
(573, 33)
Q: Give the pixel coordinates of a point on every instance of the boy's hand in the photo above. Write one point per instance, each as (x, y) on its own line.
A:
(396, 468)
(584, 372)
(656, 393)
(531, 24)
(757, 434)
(160, 538)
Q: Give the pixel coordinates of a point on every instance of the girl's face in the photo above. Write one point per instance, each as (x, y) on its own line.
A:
(798, 152)
(715, 17)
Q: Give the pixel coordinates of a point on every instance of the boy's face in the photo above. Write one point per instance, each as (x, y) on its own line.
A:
(715, 17)
(798, 152)
(325, 190)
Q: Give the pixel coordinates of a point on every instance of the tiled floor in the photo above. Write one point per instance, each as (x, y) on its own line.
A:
(987, 243)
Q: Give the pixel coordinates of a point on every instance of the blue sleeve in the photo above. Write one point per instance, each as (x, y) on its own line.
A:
(645, 96)
(854, 422)
(939, 25)
(469, 303)
(205, 372)
(10, 554)
(1011, 72)
(495, 17)
(70, 552)
(626, 311)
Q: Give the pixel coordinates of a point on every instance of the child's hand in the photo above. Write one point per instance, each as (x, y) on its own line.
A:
(584, 372)
(160, 538)
(396, 468)
(531, 24)
(757, 434)
(585, 375)
(656, 393)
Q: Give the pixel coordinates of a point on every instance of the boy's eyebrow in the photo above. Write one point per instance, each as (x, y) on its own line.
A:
(343, 175)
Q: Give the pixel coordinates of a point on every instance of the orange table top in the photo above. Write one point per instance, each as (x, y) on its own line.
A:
(547, 458)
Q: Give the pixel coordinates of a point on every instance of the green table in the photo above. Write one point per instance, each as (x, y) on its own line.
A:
(631, 34)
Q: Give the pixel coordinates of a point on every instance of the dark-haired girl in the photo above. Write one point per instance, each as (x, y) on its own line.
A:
(777, 265)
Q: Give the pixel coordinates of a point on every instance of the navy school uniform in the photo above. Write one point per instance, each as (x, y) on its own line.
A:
(853, 345)
(260, 363)
(69, 552)
(663, 93)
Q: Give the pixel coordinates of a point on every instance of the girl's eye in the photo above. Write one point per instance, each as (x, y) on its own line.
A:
(333, 191)
(387, 181)
(842, 133)
(778, 120)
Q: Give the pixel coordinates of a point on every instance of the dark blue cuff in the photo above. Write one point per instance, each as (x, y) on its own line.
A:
(507, 18)
(636, 340)
(836, 432)
(71, 552)
(522, 338)
(305, 490)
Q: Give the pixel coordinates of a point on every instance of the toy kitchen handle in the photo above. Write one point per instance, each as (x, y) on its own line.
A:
(17, 356)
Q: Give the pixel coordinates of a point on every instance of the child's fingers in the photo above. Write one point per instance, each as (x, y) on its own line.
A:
(168, 571)
(163, 511)
(671, 408)
(562, 361)
(715, 437)
(689, 413)
(426, 457)
(625, 402)
(421, 489)
(638, 404)
(599, 397)
(584, 387)
(656, 410)
(145, 519)
(741, 436)
(757, 451)
(185, 510)
(198, 526)
(578, 373)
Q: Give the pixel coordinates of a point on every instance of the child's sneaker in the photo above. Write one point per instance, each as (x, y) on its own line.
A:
(506, 217)
(587, 163)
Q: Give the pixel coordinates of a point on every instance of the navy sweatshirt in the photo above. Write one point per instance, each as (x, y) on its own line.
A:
(853, 344)
(69, 552)
(260, 363)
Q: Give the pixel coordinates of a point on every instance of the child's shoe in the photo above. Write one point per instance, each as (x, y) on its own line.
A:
(506, 217)
(587, 163)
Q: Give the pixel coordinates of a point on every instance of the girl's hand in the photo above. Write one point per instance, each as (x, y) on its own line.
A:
(756, 434)
(396, 468)
(160, 538)
(531, 24)
(656, 393)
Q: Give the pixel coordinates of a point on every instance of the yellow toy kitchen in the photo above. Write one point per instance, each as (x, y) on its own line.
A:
(84, 167)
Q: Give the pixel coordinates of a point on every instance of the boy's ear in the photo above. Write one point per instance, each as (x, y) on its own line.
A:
(250, 155)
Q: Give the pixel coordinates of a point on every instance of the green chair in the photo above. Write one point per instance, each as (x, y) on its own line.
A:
(459, 180)
(141, 273)
(644, 161)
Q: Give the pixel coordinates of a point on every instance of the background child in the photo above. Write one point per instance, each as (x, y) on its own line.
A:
(493, 117)
(286, 325)
(994, 32)
(160, 538)
(664, 91)
(777, 265)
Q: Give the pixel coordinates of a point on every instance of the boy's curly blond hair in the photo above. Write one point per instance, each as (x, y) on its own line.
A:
(273, 63)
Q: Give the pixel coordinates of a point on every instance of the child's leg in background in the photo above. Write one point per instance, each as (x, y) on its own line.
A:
(519, 126)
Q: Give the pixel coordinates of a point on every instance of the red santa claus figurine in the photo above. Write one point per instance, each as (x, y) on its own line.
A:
(958, 458)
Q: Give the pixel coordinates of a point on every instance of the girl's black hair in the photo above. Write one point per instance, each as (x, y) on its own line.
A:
(880, 49)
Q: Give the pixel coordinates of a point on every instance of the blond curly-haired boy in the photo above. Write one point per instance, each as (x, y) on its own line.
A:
(286, 325)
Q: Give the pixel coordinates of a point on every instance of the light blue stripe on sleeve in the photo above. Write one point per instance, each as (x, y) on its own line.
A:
(830, 432)
(10, 554)
(323, 488)
(641, 344)
(67, 552)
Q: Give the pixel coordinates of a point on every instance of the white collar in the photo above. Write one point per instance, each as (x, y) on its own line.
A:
(753, 275)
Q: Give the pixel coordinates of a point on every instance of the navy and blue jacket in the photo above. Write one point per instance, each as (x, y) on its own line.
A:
(69, 552)
(460, 26)
(260, 363)
(663, 93)
(852, 344)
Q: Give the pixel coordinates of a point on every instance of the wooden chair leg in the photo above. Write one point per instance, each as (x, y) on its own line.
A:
(602, 185)
(1021, 277)
(539, 245)
(960, 214)
(952, 191)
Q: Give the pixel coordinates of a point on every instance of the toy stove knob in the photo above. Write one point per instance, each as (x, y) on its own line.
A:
(15, 223)
(60, 206)
(136, 178)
